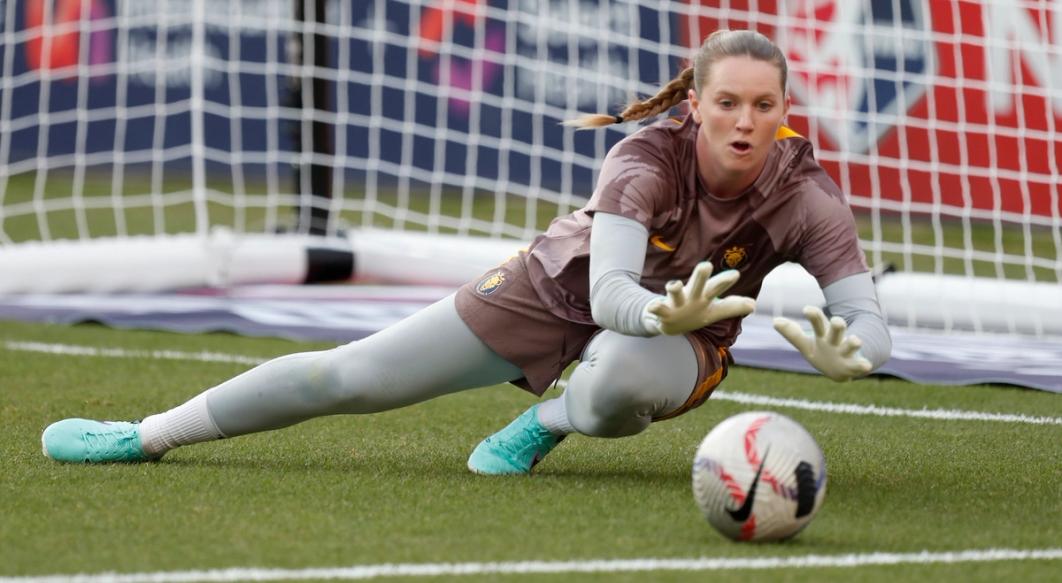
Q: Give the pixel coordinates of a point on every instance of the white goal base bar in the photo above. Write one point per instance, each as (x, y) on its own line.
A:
(155, 264)
(223, 259)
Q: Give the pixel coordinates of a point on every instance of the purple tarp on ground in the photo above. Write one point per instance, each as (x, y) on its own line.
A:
(346, 313)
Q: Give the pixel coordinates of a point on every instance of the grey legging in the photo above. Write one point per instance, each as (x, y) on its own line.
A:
(620, 385)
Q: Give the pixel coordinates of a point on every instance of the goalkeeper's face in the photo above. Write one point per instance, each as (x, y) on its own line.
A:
(740, 108)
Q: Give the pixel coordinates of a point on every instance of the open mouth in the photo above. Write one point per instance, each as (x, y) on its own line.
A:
(741, 147)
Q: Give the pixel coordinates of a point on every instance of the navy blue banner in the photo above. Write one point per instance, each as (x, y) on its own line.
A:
(487, 81)
(83, 84)
(492, 72)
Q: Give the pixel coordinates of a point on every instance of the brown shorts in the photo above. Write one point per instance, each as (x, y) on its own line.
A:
(505, 312)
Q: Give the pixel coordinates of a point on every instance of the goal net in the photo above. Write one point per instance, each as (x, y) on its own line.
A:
(420, 133)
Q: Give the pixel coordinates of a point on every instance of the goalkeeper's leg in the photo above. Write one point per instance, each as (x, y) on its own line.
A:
(429, 354)
(622, 384)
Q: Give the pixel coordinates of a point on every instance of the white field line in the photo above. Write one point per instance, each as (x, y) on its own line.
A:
(74, 350)
(744, 398)
(942, 414)
(553, 567)
(850, 409)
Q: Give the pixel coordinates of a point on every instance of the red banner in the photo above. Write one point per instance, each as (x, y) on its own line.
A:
(937, 101)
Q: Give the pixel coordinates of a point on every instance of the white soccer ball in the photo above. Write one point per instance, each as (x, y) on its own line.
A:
(759, 476)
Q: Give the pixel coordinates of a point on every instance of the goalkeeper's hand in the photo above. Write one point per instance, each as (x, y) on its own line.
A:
(828, 350)
(695, 305)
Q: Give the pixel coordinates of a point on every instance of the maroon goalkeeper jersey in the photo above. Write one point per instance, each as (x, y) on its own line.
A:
(793, 212)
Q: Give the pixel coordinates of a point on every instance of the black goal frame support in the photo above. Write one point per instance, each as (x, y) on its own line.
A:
(312, 215)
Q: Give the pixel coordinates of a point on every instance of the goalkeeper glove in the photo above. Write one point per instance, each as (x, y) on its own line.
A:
(695, 305)
(828, 350)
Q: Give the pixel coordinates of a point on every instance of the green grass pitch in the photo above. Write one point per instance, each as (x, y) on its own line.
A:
(393, 488)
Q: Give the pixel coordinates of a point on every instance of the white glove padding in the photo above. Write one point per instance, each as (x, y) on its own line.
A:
(829, 350)
(696, 305)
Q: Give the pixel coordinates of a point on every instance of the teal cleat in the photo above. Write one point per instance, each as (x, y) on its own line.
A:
(86, 441)
(515, 449)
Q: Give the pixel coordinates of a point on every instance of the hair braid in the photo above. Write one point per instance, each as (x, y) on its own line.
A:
(671, 95)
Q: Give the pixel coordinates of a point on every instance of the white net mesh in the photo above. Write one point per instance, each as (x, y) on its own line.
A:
(940, 119)
(124, 118)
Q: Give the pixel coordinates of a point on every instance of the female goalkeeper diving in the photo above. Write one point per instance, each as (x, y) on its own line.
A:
(727, 189)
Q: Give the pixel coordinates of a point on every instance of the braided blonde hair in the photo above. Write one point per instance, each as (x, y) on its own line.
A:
(720, 44)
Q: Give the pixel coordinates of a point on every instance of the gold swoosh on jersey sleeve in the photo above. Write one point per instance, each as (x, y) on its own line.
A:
(660, 244)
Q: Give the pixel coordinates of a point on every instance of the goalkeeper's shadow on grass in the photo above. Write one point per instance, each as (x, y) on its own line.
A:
(291, 463)
(439, 469)
(333, 464)
(612, 476)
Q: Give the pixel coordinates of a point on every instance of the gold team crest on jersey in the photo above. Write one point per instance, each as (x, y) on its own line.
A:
(490, 284)
(734, 256)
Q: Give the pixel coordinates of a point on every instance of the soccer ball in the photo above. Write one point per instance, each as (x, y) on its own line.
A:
(759, 476)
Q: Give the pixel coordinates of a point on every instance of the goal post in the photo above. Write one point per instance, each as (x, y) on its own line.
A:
(420, 139)
(311, 51)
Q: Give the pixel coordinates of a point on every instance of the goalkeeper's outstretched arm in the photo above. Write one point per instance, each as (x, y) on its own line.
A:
(619, 303)
(855, 300)
(617, 256)
(851, 343)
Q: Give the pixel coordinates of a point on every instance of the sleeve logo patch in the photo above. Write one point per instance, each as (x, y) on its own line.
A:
(734, 256)
(490, 284)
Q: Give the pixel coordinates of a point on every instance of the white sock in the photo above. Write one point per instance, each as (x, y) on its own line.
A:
(553, 415)
(183, 425)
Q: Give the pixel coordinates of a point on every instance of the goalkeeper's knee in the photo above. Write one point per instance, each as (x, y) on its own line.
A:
(624, 382)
